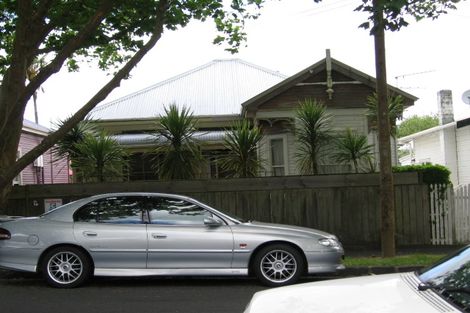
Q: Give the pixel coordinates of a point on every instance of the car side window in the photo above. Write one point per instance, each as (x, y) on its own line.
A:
(168, 211)
(112, 210)
(87, 213)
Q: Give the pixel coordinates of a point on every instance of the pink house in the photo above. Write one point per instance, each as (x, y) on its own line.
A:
(47, 169)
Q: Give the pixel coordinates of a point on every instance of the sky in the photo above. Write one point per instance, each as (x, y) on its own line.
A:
(291, 35)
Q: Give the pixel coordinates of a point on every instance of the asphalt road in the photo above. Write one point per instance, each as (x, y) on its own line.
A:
(26, 293)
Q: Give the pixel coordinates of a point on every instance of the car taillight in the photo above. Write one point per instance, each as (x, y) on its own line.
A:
(4, 234)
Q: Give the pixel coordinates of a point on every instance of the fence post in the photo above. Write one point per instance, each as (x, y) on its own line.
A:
(450, 220)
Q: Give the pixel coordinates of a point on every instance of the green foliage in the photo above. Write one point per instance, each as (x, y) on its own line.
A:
(398, 12)
(313, 132)
(67, 146)
(242, 160)
(178, 153)
(100, 158)
(126, 26)
(416, 124)
(432, 173)
(395, 111)
(94, 157)
(353, 148)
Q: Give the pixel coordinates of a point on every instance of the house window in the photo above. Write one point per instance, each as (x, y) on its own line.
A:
(278, 160)
(141, 166)
(17, 180)
(213, 167)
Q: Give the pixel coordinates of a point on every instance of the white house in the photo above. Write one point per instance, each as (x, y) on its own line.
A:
(447, 144)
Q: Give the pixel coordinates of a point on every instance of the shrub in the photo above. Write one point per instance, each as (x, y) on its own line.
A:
(432, 173)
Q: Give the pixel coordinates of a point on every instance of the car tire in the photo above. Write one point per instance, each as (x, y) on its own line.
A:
(278, 265)
(66, 267)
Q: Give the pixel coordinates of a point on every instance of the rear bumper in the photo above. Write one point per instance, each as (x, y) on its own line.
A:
(19, 259)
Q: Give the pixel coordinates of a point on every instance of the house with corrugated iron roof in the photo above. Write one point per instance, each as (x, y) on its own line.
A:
(224, 91)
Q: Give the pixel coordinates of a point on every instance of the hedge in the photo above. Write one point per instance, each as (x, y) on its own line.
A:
(432, 173)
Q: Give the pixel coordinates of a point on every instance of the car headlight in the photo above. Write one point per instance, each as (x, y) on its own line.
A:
(329, 242)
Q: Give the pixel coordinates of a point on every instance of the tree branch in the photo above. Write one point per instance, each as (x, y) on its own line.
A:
(50, 140)
(14, 78)
(43, 8)
(69, 48)
(40, 26)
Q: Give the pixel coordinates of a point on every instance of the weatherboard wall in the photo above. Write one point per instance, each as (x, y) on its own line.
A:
(463, 154)
(53, 170)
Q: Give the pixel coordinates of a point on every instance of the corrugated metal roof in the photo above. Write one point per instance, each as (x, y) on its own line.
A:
(216, 88)
(152, 139)
(27, 124)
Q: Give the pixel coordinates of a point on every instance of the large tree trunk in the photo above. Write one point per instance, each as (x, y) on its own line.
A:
(9, 140)
(387, 199)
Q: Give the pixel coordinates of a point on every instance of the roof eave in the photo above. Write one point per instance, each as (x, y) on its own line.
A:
(279, 88)
(315, 68)
(425, 132)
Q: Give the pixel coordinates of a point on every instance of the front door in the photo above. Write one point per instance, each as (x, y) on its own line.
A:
(179, 239)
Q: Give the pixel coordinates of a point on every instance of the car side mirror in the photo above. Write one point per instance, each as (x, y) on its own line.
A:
(212, 222)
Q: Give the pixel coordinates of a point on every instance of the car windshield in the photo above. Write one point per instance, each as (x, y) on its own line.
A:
(451, 277)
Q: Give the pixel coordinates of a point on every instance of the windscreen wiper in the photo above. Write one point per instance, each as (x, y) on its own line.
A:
(423, 287)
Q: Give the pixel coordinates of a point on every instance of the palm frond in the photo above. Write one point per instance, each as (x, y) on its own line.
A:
(66, 147)
(178, 152)
(313, 132)
(243, 142)
(395, 111)
(100, 158)
(352, 148)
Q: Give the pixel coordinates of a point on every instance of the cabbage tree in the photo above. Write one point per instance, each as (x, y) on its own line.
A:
(243, 142)
(313, 133)
(178, 153)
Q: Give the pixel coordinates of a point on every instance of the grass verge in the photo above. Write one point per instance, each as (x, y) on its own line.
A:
(401, 260)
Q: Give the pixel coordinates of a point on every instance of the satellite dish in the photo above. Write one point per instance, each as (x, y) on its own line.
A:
(466, 97)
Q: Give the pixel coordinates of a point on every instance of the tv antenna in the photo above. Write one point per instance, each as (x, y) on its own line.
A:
(412, 74)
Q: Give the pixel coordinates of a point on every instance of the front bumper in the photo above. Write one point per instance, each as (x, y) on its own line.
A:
(325, 261)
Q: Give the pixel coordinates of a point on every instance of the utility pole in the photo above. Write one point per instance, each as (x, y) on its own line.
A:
(387, 194)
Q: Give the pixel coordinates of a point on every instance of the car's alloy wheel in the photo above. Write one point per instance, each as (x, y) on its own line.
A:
(66, 267)
(278, 265)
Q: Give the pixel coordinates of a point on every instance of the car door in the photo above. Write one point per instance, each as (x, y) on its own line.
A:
(112, 230)
(179, 238)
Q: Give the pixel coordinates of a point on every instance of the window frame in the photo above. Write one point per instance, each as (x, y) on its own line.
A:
(285, 154)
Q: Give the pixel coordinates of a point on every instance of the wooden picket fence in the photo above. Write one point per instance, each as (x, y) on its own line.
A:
(450, 214)
(462, 214)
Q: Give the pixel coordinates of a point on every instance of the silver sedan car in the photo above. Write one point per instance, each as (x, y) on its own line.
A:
(146, 234)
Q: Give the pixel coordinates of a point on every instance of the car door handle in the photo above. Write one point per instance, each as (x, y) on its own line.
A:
(159, 236)
(90, 234)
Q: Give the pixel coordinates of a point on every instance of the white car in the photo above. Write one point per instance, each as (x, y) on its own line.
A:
(443, 287)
